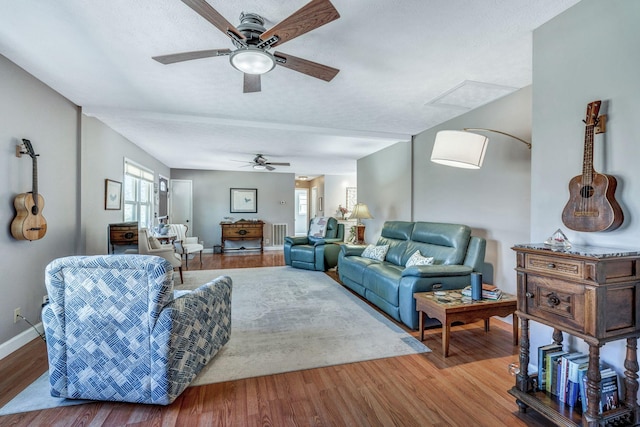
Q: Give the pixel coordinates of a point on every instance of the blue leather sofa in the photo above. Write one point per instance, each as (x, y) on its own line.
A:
(315, 253)
(390, 285)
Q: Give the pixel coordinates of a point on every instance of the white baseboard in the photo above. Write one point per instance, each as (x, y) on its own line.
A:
(8, 347)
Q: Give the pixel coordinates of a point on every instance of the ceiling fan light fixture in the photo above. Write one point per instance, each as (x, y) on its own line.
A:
(251, 60)
(259, 167)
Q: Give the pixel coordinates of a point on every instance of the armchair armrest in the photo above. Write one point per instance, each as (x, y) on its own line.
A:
(164, 251)
(352, 250)
(189, 240)
(437, 270)
(296, 240)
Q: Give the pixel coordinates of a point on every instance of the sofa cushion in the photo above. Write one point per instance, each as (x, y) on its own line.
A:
(375, 252)
(303, 253)
(383, 280)
(399, 230)
(447, 243)
(418, 259)
(355, 267)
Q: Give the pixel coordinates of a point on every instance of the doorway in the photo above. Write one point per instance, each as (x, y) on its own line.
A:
(301, 215)
(181, 203)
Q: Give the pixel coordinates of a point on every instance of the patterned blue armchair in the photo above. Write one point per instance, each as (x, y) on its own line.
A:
(117, 331)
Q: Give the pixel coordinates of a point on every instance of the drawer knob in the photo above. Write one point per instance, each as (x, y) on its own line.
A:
(551, 265)
(529, 295)
(553, 300)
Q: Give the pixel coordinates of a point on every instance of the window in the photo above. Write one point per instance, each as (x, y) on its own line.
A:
(138, 194)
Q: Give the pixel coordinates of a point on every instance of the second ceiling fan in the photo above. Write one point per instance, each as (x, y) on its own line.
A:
(253, 42)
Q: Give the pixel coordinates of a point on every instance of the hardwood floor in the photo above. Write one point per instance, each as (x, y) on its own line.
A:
(469, 388)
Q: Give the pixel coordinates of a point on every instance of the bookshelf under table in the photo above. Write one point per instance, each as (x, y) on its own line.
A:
(590, 293)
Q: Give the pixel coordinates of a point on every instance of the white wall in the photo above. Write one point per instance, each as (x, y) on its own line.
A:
(335, 192)
(585, 54)
(33, 111)
(211, 192)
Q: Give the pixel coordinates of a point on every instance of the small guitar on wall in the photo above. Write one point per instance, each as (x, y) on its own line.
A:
(592, 205)
(29, 224)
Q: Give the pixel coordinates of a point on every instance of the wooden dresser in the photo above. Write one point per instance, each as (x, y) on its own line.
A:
(590, 293)
(125, 233)
(241, 231)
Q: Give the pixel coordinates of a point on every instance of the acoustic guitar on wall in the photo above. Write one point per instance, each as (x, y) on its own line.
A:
(592, 205)
(29, 224)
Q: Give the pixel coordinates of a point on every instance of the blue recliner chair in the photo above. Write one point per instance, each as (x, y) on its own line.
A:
(315, 251)
(116, 330)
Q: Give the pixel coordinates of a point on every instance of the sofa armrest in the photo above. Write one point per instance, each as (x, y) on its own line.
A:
(437, 270)
(352, 250)
(296, 240)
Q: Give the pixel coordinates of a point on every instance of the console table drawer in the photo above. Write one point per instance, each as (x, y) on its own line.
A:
(554, 265)
(246, 232)
(557, 301)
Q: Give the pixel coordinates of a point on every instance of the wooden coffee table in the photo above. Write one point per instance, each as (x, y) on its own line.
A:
(452, 307)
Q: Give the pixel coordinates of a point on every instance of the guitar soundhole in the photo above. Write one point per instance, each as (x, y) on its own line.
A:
(586, 191)
(34, 210)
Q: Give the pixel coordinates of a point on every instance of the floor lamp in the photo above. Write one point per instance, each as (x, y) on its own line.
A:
(360, 212)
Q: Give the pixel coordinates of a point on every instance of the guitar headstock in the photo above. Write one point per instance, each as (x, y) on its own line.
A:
(592, 113)
(29, 148)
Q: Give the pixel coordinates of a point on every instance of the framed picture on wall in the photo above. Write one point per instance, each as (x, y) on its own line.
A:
(112, 195)
(352, 198)
(244, 200)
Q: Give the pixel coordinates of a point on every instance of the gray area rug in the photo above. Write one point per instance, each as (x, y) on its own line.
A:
(283, 320)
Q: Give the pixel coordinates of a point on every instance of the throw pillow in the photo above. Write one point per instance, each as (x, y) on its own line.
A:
(318, 227)
(375, 252)
(154, 243)
(418, 259)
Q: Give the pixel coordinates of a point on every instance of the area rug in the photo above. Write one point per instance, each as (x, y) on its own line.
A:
(283, 319)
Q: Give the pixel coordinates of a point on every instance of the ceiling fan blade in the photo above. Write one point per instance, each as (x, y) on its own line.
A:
(251, 83)
(278, 164)
(270, 168)
(205, 10)
(314, 14)
(188, 56)
(313, 69)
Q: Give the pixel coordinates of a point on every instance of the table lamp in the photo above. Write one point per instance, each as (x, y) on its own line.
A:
(360, 212)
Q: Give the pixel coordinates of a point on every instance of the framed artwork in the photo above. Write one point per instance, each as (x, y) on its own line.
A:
(320, 204)
(244, 200)
(352, 198)
(112, 195)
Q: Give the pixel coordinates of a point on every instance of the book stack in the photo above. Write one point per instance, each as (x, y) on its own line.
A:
(563, 375)
(488, 292)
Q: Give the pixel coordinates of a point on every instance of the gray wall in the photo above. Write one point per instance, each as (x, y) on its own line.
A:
(492, 200)
(211, 200)
(103, 154)
(335, 192)
(33, 111)
(384, 185)
(588, 53)
(73, 189)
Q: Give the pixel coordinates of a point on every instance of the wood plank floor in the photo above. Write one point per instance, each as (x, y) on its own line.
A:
(469, 388)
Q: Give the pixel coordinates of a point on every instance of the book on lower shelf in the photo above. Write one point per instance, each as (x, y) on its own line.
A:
(609, 390)
(543, 352)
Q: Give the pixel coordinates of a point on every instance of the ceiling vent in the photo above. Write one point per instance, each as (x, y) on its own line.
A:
(470, 94)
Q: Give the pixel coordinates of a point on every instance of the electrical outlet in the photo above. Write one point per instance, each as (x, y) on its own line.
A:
(266, 241)
(16, 315)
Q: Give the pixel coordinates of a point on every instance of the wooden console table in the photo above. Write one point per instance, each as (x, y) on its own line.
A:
(590, 293)
(243, 231)
(125, 233)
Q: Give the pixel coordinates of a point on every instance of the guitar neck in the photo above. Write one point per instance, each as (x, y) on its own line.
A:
(587, 160)
(34, 188)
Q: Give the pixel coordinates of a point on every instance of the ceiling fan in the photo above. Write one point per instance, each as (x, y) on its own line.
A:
(260, 163)
(253, 41)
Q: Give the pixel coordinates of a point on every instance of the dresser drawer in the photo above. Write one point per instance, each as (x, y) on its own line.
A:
(558, 267)
(557, 301)
(245, 232)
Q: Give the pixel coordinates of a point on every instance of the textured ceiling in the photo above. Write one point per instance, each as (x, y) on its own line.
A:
(405, 66)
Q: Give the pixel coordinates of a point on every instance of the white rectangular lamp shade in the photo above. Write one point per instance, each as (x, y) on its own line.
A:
(459, 149)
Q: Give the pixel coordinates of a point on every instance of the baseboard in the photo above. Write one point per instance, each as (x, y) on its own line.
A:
(8, 347)
(266, 248)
